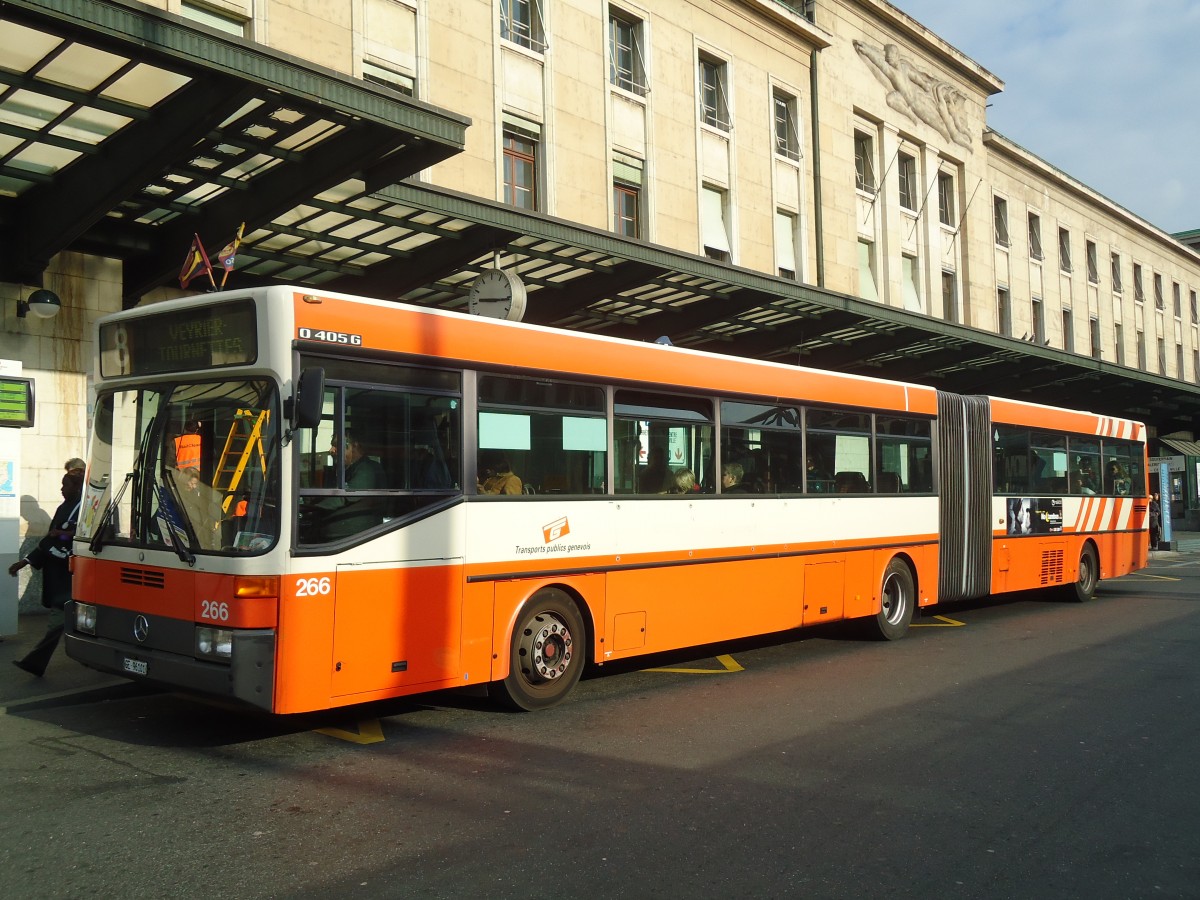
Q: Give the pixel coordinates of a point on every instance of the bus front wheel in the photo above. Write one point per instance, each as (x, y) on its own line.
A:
(1084, 588)
(547, 653)
(898, 600)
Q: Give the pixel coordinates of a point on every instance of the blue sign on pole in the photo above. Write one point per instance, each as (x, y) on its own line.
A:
(1164, 500)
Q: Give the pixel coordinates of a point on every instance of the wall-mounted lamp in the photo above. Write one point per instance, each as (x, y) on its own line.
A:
(42, 303)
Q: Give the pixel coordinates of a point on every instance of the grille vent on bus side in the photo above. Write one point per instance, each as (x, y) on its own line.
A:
(964, 466)
(142, 577)
(1052, 567)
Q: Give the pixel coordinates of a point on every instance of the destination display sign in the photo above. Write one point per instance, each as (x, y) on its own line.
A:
(202, 337)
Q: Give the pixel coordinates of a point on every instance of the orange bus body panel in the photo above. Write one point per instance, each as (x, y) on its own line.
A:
(175, 593)
(426, 333)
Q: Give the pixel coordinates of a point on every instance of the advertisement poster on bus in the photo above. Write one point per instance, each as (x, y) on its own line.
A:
(1035, 515)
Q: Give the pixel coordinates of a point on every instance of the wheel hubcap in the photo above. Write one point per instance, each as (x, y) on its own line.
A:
(893, 600)
(546, 648)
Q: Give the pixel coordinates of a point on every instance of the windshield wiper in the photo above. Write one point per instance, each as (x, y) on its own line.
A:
(164, 512)
(97, 541)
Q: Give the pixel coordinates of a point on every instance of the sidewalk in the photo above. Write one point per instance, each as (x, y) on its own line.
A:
(1181, 542)
(65, 680)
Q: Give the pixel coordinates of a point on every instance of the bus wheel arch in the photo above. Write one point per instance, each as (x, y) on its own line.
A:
(897, 600)
(1087, 577)
(547, 650)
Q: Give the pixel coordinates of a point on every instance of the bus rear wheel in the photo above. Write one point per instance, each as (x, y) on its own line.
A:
(898, 600)
(1084, 588)
(546, 654)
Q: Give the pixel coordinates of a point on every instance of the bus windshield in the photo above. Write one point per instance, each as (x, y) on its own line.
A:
(186, 467)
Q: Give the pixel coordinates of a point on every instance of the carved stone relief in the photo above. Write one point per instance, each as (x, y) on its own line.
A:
(918, 95)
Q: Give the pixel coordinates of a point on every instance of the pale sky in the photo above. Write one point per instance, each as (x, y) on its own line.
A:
(1106, 90)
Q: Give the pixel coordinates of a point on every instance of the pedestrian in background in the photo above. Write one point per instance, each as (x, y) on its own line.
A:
(52, 558)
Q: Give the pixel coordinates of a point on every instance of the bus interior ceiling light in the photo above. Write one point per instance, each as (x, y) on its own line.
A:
(42, 303)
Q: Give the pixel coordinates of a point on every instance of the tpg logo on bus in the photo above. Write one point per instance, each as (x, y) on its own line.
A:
(555, 530)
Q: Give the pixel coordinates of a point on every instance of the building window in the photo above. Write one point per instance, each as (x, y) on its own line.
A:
(1003, 312)
(1064, 249)
(1162, 357)
(626, 63)
(1192, 304)
(714, 103)
(1094, 333)
(397, 81)
(715, 233)
(911, 284)
(1158, 291)
(1139, 289)
(907, 169)
(1196, 365)
(1000, 218)
(221, 21)
(867, 287)
(1177, 299)
(946, 198)
(520, 170)
(785, 244)
(521, 23)
(1119, 344)
(1039, 322)
(1141, 350)
(787, 138)
(1035, 236)
(1093, 263)
(864, 162)
(1116, 273)
(1068, 331)
(1179, 361)
(627, 220)
(949, 296)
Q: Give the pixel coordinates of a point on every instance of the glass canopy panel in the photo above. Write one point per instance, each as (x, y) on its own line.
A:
(23, 47)
(82, 67)
(145, 86)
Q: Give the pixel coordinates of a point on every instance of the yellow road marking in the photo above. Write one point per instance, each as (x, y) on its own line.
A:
(946, 622)
(1159, 577)
(369, 732)
(728, 662)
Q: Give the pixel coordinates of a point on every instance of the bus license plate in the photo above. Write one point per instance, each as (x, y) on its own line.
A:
(136, 666)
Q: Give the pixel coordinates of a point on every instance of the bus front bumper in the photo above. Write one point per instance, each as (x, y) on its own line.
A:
(249, 677)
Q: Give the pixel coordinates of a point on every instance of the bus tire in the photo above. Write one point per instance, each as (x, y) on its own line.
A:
(547, 653)
(1084, 588)
(898, 601)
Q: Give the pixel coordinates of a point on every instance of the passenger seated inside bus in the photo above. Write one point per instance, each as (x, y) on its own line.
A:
(731, 479)
(496, 476)
(1116, 479)
(851, 483)
(818, 478)
(889, 483)
(656, 478)
(347, 516)
(685, 482)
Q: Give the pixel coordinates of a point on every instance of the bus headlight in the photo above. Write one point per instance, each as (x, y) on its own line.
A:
(85, 617)
(215, 643)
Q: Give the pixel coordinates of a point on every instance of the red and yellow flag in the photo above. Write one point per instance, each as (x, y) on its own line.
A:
(195, 264)
(228, 255)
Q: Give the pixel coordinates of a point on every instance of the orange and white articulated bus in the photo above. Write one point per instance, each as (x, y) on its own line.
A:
(389, 500)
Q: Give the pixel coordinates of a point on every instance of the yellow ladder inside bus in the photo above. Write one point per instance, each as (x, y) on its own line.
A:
(245, 437)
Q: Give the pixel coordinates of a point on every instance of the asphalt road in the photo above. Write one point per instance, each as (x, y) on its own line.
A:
(1022, 748)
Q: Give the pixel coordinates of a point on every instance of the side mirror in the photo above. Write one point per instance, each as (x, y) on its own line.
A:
(310, 397)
